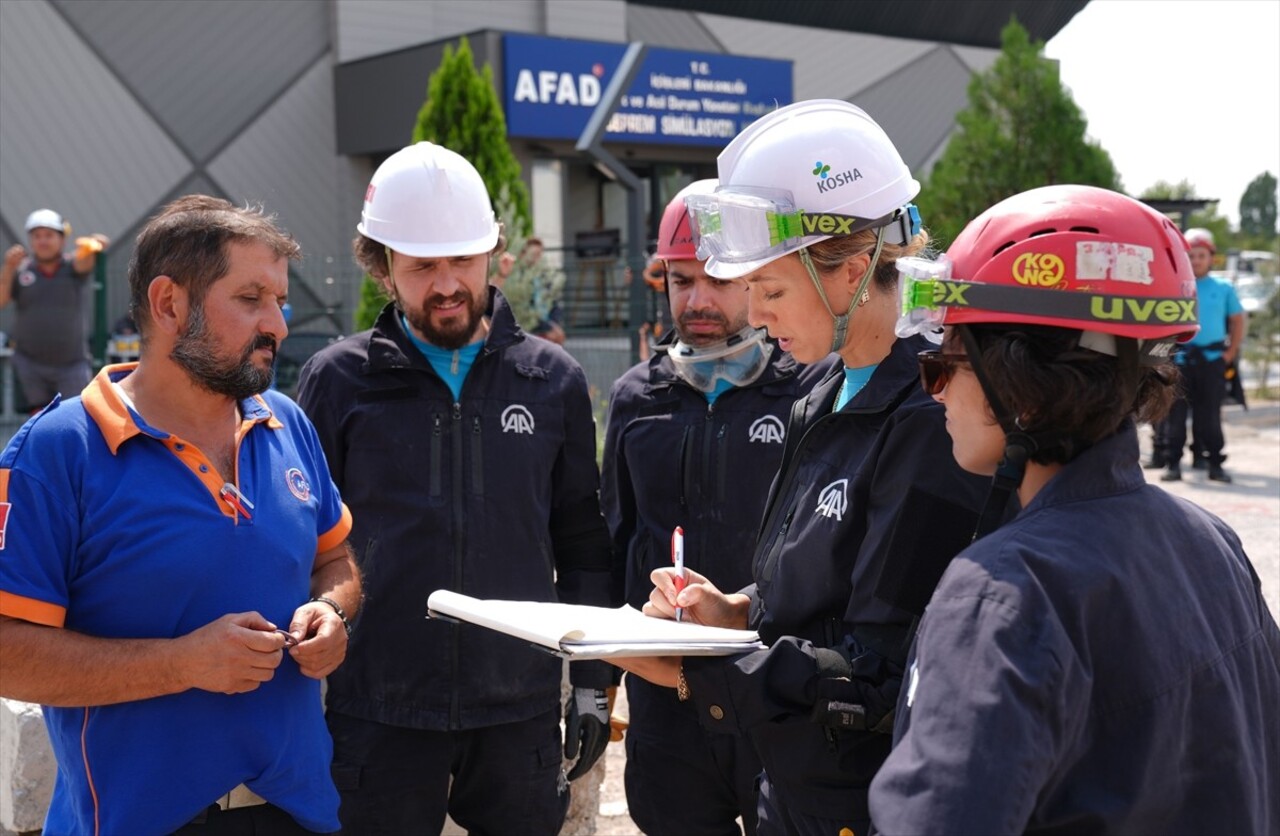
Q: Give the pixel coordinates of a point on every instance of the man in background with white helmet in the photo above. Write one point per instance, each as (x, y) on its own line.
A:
(466, 452)
(694, 438)
(1203, 362)
(50, 335)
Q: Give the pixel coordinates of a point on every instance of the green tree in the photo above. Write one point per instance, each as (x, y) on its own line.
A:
(462, 112)
(1164, 190)
(1258, 207)
(373, 298)
(1021, 129)
(1206, 218)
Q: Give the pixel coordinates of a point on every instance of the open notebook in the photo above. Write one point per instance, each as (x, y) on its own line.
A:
(581, 632)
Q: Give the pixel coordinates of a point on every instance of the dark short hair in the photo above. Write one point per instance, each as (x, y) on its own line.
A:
(187, 241)
(371, 255)
(1042, 375)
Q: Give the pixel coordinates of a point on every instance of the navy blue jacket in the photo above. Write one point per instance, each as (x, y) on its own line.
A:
(868, 508)
(670, 459)
(1105, 663)
(494, 496)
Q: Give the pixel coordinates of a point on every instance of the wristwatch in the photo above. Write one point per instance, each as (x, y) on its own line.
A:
(346, 624)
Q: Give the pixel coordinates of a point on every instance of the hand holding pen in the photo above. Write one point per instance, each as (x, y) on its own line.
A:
(677, 558)
(703, 602)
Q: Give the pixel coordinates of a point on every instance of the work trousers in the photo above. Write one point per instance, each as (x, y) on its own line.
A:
(262, 820)
(41, 381)
(682, 780)
(780, 819)
(505, 778)
(1202, 391)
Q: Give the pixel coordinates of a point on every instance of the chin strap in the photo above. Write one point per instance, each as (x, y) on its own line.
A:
(860, 297)
(1019, 445)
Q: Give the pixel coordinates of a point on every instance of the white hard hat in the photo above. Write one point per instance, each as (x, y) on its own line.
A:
(1198, 237)
(829, 156)
(429, 202)
(46, 219)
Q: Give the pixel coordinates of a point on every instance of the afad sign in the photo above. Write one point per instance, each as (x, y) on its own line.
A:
(552, 85)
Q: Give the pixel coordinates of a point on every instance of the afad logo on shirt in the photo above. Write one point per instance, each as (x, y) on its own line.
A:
(832, 500)
(27, 278)
(517, 419)
(767, 429)
(298, 484)
(4, 521)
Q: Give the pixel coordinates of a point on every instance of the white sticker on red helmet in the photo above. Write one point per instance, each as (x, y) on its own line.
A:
(1109, 260)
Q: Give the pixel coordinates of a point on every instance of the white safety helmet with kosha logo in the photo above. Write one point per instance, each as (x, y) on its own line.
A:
(429, 202)
(800, 175)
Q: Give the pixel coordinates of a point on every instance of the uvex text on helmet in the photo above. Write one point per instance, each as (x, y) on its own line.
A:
(1076, 257)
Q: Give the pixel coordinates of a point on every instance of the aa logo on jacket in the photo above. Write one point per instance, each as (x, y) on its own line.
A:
(767, 429)
(832, 501)
(517, 419)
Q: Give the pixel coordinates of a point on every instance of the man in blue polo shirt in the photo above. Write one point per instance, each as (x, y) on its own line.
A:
(174, 573)
(1203, 362)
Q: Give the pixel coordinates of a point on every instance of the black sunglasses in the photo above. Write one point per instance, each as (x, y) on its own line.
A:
(937, 368)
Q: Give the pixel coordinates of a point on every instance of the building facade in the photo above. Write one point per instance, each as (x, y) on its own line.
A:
(110, 108)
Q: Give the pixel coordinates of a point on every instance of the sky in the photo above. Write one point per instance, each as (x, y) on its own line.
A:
(1179, 89)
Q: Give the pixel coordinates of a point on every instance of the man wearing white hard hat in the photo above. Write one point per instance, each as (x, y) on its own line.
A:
(694, 437)
(466, 452)
(50, 335)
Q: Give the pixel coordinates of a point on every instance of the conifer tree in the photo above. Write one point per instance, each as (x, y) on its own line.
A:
(462, 112)
(1021, 129)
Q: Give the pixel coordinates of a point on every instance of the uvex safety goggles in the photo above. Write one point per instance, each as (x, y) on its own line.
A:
(927, 291)
(738, 360)
(737, 224)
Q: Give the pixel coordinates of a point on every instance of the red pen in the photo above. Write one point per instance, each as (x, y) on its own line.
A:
(238, 501)
(677, 557)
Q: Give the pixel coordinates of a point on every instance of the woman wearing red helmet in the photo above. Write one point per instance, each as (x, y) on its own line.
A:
(1104, 661)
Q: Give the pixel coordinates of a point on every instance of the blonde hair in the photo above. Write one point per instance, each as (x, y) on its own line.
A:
(829, 255)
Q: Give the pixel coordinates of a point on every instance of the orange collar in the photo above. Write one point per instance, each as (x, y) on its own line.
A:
(117, 424)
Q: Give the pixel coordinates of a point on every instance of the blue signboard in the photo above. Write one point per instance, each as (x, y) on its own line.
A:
(552, 85)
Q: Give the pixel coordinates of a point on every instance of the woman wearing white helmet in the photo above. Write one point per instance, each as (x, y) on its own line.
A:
(812, 212)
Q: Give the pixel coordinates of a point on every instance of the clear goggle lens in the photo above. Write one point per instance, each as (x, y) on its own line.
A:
(918, 293)
(739, 224)
(738, 360)
(743, 224)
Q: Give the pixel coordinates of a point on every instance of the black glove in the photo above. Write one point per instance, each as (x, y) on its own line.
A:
(586, 729)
